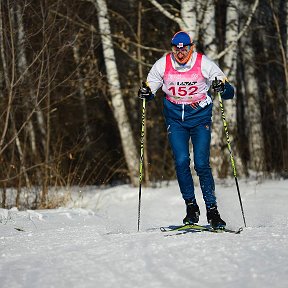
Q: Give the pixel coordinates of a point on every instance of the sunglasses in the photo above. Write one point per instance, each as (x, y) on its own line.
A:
(182, 49)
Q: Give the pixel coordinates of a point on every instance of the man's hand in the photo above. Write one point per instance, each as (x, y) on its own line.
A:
(145, 92)
(218, 85)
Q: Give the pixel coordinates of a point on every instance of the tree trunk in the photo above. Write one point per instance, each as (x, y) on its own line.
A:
(230, 64)
(8, 82)
(117, 100)
(188, 15)
(207, 28)
(22, 68)
(251, 92)
(81, 88)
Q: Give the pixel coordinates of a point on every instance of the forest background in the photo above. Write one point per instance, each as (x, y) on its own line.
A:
(69, 76)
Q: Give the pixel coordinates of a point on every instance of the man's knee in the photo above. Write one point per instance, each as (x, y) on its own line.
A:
(182, 162)
(202, 168)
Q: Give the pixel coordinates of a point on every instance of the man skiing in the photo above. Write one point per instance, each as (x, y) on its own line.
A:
(185, 77)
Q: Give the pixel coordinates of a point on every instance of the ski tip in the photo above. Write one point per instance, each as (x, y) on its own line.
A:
(19, 229)
(239, 230)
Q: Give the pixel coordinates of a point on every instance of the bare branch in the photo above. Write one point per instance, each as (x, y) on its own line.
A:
(232, 44)
(91, 28)
(83, 25)
(178, 20)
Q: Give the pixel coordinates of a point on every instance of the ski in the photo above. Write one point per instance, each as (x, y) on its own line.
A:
(199, 228)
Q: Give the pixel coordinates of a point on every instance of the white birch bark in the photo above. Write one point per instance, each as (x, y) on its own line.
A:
(241, 33)
(189, 17)
(207, 23)
(207, 20)
(117, 100)
(231, 34)
(230, 58)
(255, 132)
(231, 38)
(230, 65)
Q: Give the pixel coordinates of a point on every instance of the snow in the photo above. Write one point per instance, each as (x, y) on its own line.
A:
(93, 241)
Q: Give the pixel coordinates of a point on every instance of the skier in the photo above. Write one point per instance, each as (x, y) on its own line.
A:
(185, 77)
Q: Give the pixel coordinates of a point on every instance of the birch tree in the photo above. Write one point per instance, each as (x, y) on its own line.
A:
(230, 66)
(117, 100)
(229, 53)
(255, 132)
(251, 93)
(208, 39)
(206, 27)
(189, 17)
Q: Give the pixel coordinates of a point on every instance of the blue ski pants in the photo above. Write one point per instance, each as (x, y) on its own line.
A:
(179, 134)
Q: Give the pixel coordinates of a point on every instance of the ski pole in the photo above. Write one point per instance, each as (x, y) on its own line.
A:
(231, 154)
(141, 155)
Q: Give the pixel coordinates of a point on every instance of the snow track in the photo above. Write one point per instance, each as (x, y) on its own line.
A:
(99, 246)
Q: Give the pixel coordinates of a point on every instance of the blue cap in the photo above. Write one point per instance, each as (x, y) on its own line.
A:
(181, 39)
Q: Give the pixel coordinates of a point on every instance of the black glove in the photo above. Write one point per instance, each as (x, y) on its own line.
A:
(145, 92)
(218, 85)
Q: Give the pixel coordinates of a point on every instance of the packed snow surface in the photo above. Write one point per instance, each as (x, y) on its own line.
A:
(93, 241)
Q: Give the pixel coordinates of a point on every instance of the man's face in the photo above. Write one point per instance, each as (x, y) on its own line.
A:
(181, 53)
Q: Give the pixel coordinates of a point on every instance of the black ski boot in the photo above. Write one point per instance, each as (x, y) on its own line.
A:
(214, 219)
(193, 212)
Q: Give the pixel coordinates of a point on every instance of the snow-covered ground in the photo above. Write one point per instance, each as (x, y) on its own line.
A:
(93, 242)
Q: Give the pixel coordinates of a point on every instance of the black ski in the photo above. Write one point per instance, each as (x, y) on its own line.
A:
(199, 228)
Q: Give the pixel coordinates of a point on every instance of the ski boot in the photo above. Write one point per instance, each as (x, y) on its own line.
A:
(193, 212)
(214, 219)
